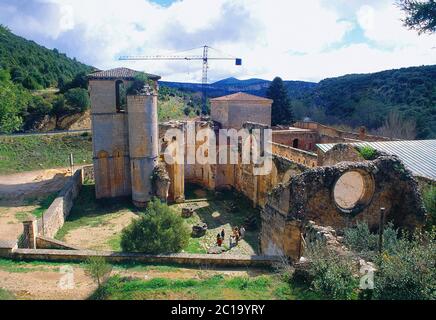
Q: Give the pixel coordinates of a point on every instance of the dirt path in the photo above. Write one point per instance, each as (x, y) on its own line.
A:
(32, 184)
(46, 284)
(19, 193)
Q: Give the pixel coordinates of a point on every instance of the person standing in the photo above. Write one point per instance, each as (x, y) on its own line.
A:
(223, 234)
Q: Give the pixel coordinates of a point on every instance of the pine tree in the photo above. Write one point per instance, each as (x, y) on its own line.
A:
(281, 107)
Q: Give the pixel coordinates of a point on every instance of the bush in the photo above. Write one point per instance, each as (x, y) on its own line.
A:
(367, 152)
(361, 240)
(138, 84)
(408, 273)
(332, 275)
(429, 198)
(159, 230)
(77, 99)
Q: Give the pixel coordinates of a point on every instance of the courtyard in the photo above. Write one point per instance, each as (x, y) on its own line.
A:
(97, 224)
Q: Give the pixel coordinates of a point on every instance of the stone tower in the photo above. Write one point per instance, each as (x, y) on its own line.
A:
(125, 135)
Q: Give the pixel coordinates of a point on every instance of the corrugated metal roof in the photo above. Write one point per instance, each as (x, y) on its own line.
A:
(419, 156)
(119, 73)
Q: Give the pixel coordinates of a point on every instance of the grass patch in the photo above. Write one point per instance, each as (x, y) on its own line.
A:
(89, 212)
(27, 266)
(268, 287)
(6, 295)
(27, 153)
(195, 246)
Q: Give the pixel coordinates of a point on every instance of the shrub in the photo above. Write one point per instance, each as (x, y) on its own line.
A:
(332, 275)
(429, 198)
(159, 230)
(409, 272)
(139, 82)
(367, 152)
(97, 268)
(361, 240)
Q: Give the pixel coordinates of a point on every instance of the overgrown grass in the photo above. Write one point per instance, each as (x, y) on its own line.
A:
(267, 287)
(27, 153)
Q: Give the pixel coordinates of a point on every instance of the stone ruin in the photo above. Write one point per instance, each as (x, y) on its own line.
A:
(313, 196)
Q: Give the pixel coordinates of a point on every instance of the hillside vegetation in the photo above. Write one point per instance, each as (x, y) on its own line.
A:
(368, 99)
(37, 84)
(27, 153)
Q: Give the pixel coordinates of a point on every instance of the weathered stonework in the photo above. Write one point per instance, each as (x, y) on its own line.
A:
(309, 197)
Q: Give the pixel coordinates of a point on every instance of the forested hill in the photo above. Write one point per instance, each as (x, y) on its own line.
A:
(367, 99)
(34, 66)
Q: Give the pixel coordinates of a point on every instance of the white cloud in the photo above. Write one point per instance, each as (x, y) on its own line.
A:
(293, 39)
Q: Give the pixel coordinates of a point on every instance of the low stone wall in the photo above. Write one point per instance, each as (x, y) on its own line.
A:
(305, 158)
(54, 217)
(116, 257)
(48, 243)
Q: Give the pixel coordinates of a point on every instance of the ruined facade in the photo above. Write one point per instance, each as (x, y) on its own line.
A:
(131, 159)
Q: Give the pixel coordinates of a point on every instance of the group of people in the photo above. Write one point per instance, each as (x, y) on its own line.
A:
(238, 234)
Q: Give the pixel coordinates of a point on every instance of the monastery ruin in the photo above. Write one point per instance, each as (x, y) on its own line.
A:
(307, 184)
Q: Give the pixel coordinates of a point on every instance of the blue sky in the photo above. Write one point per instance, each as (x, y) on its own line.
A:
(297, 40)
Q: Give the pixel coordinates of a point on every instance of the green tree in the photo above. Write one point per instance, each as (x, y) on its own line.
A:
(281, 107)
(97, 268)
(420, 15)
(13, 102)
(77, 99)
(159, 230)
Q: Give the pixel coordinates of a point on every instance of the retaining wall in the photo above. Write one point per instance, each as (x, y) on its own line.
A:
(54, 217)
(179, 258)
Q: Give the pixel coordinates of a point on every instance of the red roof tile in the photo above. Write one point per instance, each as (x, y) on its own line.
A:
(241, 96)
(119, 73)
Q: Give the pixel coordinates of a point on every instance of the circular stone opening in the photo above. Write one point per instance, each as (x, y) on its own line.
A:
(353, 191)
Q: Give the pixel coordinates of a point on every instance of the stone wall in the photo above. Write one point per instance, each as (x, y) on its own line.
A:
(310, 196)
(54, 217)
(339, 153)
(305, 140)
(330, 132)
(305, 158)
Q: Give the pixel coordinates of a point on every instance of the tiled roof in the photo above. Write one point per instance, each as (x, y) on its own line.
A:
(119, 73)
(419, 156)
(241, 96)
